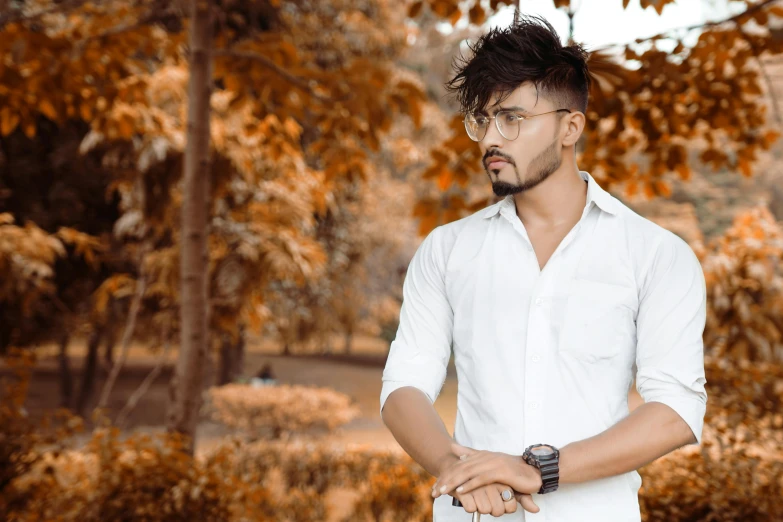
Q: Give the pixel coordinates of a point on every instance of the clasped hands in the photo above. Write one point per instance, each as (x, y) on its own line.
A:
(478, 477)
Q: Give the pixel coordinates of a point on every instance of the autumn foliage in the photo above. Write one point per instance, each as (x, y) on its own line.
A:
(657, 109)
(329, 147)
(744, 274)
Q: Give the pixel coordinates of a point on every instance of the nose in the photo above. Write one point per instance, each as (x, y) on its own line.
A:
(493, 138)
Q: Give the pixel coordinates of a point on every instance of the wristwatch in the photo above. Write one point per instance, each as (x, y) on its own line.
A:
(547, 459)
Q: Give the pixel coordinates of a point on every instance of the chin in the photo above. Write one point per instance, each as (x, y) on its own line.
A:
(502, 189)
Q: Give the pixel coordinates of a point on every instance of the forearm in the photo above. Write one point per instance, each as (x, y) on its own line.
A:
(418, 428)
(649, 432)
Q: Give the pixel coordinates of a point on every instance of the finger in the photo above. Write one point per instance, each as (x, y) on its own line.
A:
(482, 471)
(468, 502)
(497, 509)
(526, 501)
(483, 503)
(509, 505)
(477, 482)
(454, 477)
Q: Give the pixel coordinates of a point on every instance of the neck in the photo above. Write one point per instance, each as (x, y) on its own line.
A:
(557, 200)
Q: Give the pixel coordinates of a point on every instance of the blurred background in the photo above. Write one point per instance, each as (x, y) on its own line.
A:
(207, 209)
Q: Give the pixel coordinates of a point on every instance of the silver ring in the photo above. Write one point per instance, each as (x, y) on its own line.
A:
(507, 495)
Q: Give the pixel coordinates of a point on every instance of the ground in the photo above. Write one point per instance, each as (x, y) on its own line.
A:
(357, 375)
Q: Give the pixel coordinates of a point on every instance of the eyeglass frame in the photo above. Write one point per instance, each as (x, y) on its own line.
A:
(502, 111)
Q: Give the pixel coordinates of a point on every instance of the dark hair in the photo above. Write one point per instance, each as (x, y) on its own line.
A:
(528, 50)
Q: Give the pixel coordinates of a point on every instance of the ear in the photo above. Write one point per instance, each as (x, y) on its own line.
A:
(574, 125)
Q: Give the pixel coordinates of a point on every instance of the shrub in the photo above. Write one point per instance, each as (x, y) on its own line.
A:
(273, 412)
(736, 476)
(147, 478)
(744, 275)
(21, 437)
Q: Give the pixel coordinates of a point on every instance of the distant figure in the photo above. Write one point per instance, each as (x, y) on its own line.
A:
(265, 377)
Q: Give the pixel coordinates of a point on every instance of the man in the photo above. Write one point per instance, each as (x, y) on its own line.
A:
(551, 299)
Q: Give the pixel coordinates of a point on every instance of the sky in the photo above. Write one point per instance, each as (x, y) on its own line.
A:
(599, 23)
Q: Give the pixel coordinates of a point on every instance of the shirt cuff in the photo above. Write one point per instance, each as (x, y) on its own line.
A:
(390, 386)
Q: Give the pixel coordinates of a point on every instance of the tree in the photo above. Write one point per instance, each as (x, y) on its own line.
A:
(194, 306)
(650, 107)
(295, 126)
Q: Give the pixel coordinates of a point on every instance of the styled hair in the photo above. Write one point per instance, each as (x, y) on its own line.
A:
(528, 50)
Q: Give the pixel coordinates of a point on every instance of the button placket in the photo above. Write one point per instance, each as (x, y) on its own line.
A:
(538, 333)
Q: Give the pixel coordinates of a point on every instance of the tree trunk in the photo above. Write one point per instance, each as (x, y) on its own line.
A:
(66, 379)
(226, 364)
(232, 356)
(194, 304)
(239, 360)
(348, 341)
(111, 342)
(88, 369)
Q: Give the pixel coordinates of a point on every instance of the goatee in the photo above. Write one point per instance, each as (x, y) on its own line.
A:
(540, 168)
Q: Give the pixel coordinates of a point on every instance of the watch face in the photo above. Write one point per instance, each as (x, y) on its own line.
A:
(541, 451)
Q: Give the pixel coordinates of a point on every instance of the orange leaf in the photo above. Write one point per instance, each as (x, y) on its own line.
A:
(444, 180)
(769, 138)
(477, 14)
(684, 171)
(29, 129)
(745, 167)
(47, 109)
(455, 17)
(8, 121)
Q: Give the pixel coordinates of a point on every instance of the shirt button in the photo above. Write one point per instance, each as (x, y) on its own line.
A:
(536, 358)
(539, 301)
(534, 405)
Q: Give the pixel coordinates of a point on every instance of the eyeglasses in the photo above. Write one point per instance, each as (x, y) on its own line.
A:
(507, 122)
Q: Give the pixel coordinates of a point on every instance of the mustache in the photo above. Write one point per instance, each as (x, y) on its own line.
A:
(497, 154)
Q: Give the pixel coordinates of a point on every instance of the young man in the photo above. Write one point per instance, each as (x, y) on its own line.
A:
(552, 300)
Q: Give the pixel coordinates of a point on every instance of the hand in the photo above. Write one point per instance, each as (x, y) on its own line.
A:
(482, 468)
(487, 500)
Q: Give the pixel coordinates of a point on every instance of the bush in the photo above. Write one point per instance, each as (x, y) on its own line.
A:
(736, 473)
(274, 412)
(389, 485)
(736, 476)
(744, 275)
(143, 478)
(21, 438)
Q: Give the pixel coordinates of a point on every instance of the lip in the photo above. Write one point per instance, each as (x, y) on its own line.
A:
(494, 162)
(497, 164)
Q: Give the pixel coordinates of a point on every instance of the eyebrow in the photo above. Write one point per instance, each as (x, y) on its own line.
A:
(515, 108)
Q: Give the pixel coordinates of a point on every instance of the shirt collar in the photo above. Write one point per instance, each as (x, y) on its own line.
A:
(595, 194)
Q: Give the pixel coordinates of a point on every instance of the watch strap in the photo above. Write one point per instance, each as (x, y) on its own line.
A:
(548, 466)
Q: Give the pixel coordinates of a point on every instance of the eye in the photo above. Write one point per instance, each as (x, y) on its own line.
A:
(511, 117)
(481, 120)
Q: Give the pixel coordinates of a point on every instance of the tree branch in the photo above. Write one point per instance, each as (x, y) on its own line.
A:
(134, 399)
(302, 83)
(747, 12)
(757, 53)
(127, 335)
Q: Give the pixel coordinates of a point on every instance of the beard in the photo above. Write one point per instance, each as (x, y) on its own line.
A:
(540, 168)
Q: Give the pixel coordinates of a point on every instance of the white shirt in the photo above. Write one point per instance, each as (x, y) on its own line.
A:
(548, 356)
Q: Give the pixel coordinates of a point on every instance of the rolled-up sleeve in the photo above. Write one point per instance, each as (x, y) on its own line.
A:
(670, 325)
(420, 352)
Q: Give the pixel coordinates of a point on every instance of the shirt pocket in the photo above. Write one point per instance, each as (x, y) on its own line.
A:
(597, 321)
